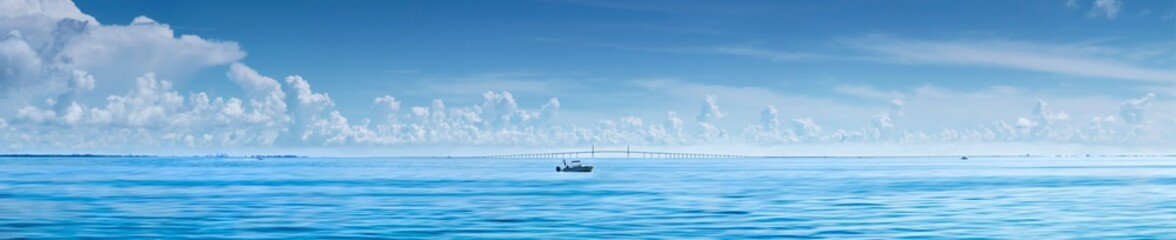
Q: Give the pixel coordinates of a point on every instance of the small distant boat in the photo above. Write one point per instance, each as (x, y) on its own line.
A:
(575, 167)
(964, 158)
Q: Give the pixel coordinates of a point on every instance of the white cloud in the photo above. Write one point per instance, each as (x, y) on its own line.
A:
(764, 53)
(307, 98)
(57, 58)
(388, 101)
(1132, 111)
(806, 128)
(498, 109)
(20, 63)
(151, 114)
(549, 110)
(710, 110)
(1107, 8)
(1071, 4)
(52, 49)
(1042, 57)
(896, 106)
(50, 9)
(770, 118)
(253, 82)
(1044, 120)
(114, 52)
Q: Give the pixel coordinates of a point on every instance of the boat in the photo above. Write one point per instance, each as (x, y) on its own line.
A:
(576, 166)
(964, 158)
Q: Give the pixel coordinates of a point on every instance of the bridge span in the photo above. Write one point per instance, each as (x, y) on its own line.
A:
(628, 153)
(619, 153)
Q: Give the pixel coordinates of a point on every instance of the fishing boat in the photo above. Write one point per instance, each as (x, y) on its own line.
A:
(576, 166)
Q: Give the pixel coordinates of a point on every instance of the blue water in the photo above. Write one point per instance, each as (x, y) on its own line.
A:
(1029, 198)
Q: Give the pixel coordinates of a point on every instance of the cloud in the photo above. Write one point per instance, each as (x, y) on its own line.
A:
(865, 91)
(1107, 8)
(1043, 121)
(1071, 4)
(52, 54)
(896, 106)
(388, 101)
(764, 53)
(48, 9)
(153, 114)
(770, 118)
(52, 49)
(150, 114)
(21, 63)
(253, 82)
(806, 128)
(307, 98)
(549, 110)
(1041, 57)
(710, 110)
(113, 51)
(1132, 111)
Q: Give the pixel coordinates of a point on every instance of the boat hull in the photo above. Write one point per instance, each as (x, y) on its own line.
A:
(575, 169)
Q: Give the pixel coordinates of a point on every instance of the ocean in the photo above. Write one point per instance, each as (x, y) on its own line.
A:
(440, 198)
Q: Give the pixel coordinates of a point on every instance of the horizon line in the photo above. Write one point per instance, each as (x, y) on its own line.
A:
(552, 156)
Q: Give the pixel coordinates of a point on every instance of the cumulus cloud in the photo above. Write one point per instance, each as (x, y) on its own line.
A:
(307, 98)
(770, 118)
(806, 128)
(21, 64)
(881, 127)
(152, 114)
(43, 9)
(710, 110)
(52, 53)
(267, 98)
(52, 49)
(1132, 111)
(896, 106)
(389, 102)
(114, 51)
(549, 110)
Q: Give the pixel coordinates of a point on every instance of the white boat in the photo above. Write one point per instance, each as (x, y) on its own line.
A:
(576, 166)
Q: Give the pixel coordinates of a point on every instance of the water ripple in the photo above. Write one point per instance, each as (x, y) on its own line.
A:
(625, 199)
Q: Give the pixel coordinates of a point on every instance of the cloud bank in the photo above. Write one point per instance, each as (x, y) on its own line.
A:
(69, 83)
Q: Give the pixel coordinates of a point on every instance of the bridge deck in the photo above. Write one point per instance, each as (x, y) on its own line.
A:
(656, 154)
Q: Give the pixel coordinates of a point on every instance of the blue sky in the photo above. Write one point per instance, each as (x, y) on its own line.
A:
(423, 77)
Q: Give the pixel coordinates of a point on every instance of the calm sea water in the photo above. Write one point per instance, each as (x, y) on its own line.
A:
(1031, 198)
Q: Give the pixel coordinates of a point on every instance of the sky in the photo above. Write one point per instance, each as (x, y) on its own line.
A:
(367, 78)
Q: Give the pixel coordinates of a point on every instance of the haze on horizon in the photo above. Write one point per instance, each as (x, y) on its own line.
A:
(355, 78)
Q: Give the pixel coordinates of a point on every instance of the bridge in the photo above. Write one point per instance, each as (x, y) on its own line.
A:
(614, 153)
(628, 153)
